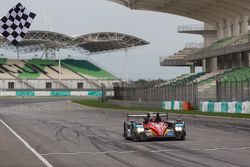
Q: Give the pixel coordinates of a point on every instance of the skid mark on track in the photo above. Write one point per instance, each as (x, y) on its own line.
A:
(152, 151)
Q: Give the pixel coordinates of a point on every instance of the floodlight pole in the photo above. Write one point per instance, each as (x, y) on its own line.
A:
(59, 61)
(17, 52)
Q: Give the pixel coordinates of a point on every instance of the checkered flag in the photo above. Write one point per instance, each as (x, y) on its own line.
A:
(16, 23)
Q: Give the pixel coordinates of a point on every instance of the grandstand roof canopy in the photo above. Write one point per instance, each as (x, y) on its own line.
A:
(209, 11)
(93, 43)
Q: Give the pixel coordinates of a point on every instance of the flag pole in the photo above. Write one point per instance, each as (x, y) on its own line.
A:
(126, 65)
(17, 52)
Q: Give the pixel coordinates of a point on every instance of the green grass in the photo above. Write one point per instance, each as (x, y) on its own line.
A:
(99, 104)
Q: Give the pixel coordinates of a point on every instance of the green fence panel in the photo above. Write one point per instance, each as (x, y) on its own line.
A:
(224, 107)
(60, 93)
(172, 105)
(25, 93)
(238, 107)
(95, 93)
(210, 107)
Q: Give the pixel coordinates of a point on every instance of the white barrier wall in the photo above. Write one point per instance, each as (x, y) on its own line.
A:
(172, 105)
(9, 93)
(79, 93)
(176, 105)
(53, 93)
(42, 93)
(226, 107)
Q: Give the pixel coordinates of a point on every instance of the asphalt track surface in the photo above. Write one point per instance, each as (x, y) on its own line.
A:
(70, 135)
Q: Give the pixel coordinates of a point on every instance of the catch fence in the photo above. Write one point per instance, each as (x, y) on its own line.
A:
(194, 93)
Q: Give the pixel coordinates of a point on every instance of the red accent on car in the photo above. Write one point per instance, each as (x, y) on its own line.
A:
(157, 128)
(178, 120)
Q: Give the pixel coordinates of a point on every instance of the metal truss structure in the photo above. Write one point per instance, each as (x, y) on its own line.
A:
(107, 41)
(36, 41)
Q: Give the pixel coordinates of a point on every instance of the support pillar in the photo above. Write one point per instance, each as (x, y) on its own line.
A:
(192, 69)
(236, 27)
(220, 30)
(244, 25)
(228, 30)
(204, 65)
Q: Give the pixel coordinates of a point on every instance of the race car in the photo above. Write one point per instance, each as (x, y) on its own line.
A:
(153, 125)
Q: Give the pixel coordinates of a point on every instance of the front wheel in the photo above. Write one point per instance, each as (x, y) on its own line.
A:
(181, 136)
(125, 132)
(133, 135)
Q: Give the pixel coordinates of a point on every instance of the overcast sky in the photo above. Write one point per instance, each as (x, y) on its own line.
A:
(77, 17)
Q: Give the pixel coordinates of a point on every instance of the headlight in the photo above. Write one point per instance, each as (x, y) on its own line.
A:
(178, 128)
(139, 130)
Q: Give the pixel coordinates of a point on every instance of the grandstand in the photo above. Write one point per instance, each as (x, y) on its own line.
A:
(60, 77)
(225, 29)
(34, 71)
(224, 55)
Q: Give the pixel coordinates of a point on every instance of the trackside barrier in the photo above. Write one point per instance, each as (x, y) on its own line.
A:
(225, 107)
(51, 93)
(176, 105)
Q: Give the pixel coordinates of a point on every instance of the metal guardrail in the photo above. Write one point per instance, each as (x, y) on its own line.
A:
(191, 27)
(194, 27)
(194, 45)
(174, 62)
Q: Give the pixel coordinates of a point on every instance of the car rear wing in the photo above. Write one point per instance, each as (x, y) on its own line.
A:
(152, 114)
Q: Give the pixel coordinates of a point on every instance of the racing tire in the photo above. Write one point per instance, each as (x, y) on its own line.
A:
(125, 132)
(133, 136)
(182, 137)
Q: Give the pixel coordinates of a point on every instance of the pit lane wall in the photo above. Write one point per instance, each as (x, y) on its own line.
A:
(225, 107)
(176, 105)
(53, 93)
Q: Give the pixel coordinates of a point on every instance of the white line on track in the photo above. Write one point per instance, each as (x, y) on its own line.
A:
(39, 156)
(150, 151)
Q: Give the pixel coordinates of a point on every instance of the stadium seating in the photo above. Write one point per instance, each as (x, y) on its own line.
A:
(35, 73)
(240, 74)
(3, 73)
(227, 42)
(86, 68)
(49, 69)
